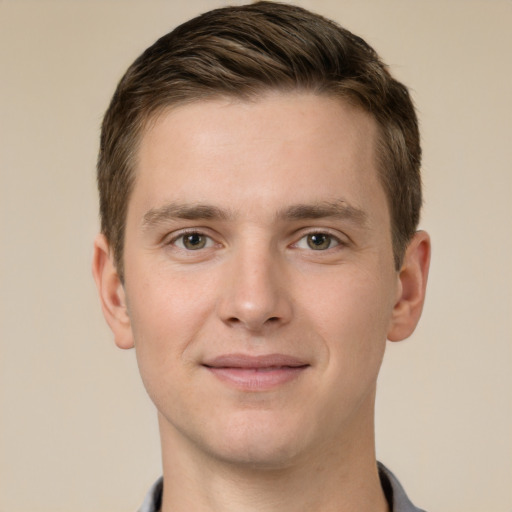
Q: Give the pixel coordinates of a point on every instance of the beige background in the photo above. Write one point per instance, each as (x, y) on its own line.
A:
(77, 432)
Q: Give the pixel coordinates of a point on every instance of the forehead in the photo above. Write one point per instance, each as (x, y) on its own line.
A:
(276, 146)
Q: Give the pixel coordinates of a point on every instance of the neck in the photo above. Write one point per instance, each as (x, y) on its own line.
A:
(339, 477)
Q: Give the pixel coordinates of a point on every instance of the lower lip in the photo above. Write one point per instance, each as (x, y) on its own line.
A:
(257, 379)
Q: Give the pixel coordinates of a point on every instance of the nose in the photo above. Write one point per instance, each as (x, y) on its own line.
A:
(255, 291)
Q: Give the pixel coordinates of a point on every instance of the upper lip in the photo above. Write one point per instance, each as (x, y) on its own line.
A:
(249, 361)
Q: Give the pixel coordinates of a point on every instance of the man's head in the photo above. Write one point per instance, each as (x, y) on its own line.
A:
(245, 52)
(260, 192)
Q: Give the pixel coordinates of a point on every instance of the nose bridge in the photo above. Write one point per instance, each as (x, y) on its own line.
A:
(255, 294)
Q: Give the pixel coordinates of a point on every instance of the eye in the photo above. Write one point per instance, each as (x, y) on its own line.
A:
(317, 241)
(193, 241)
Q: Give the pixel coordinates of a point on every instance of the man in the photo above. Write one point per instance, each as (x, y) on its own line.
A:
(260, 194)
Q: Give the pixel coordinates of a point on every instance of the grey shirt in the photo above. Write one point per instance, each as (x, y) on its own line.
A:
(395, 494)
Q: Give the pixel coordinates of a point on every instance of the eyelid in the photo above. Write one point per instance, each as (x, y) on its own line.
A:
(171, 238)
(340, 239)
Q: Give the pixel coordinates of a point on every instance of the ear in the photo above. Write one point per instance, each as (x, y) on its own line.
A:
(412, 285)
(111, 292)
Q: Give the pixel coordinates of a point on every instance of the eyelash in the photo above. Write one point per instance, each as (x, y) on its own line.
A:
(209, 242)
(324, 235)
(183, 234)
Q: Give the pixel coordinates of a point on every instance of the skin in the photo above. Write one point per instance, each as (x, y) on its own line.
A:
(255, 229)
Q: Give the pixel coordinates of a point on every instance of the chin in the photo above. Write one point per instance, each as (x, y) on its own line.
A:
(259, 444)
(258, 456)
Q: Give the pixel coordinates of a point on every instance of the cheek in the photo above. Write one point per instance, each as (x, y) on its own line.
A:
(351, 314)
(166, 302)
(163, 323)
(166, 316)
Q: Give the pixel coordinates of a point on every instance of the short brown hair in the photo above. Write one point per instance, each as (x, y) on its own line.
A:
(242, 52)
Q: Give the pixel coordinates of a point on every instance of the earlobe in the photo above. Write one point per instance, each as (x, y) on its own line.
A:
(413, 281)
(111, 293)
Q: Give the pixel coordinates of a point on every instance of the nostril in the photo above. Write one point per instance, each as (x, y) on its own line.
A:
(237, 321)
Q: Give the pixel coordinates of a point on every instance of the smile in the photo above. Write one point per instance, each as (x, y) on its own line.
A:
(256, 373)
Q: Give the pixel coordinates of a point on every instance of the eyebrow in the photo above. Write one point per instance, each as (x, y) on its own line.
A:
(338, 209)
(171, 211)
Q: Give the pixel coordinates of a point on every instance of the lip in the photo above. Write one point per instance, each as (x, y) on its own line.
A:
(256, 373)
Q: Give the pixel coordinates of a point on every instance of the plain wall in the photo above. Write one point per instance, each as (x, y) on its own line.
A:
(77, 432)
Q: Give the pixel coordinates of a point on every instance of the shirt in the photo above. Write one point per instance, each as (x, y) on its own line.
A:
(394, 492)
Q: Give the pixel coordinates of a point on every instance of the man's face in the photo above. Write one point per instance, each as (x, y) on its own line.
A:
(260, 282)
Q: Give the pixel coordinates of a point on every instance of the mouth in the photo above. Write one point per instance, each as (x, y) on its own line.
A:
(256, 373)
